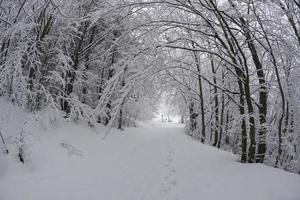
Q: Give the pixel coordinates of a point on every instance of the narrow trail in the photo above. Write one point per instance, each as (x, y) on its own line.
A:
(153, 162)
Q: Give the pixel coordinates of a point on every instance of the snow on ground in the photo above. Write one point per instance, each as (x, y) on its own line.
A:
(153, 162)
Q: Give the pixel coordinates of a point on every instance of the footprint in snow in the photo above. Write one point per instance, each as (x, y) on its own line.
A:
(165, 190)
(169, 181)
(173, 182)
(170, 159)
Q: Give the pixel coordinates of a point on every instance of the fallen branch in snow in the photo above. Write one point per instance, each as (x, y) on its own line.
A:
(107, 132)
(71, 150)
(4, 144)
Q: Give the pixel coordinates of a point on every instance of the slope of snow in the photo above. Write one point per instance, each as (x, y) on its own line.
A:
(153, 162)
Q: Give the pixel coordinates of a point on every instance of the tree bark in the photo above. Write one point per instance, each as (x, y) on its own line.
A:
(201, 98)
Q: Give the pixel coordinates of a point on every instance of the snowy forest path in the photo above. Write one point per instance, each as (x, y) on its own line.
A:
(193, 170)
(155, 161)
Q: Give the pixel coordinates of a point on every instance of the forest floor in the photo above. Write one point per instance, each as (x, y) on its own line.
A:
(152, 162)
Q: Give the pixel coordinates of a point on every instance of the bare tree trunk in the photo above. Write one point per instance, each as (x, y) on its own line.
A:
(201, 98)
(243, 81)
(71, 74)
(222, 114)
(193, 115)
(216, 101)
(274, 62)
(263, 97)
